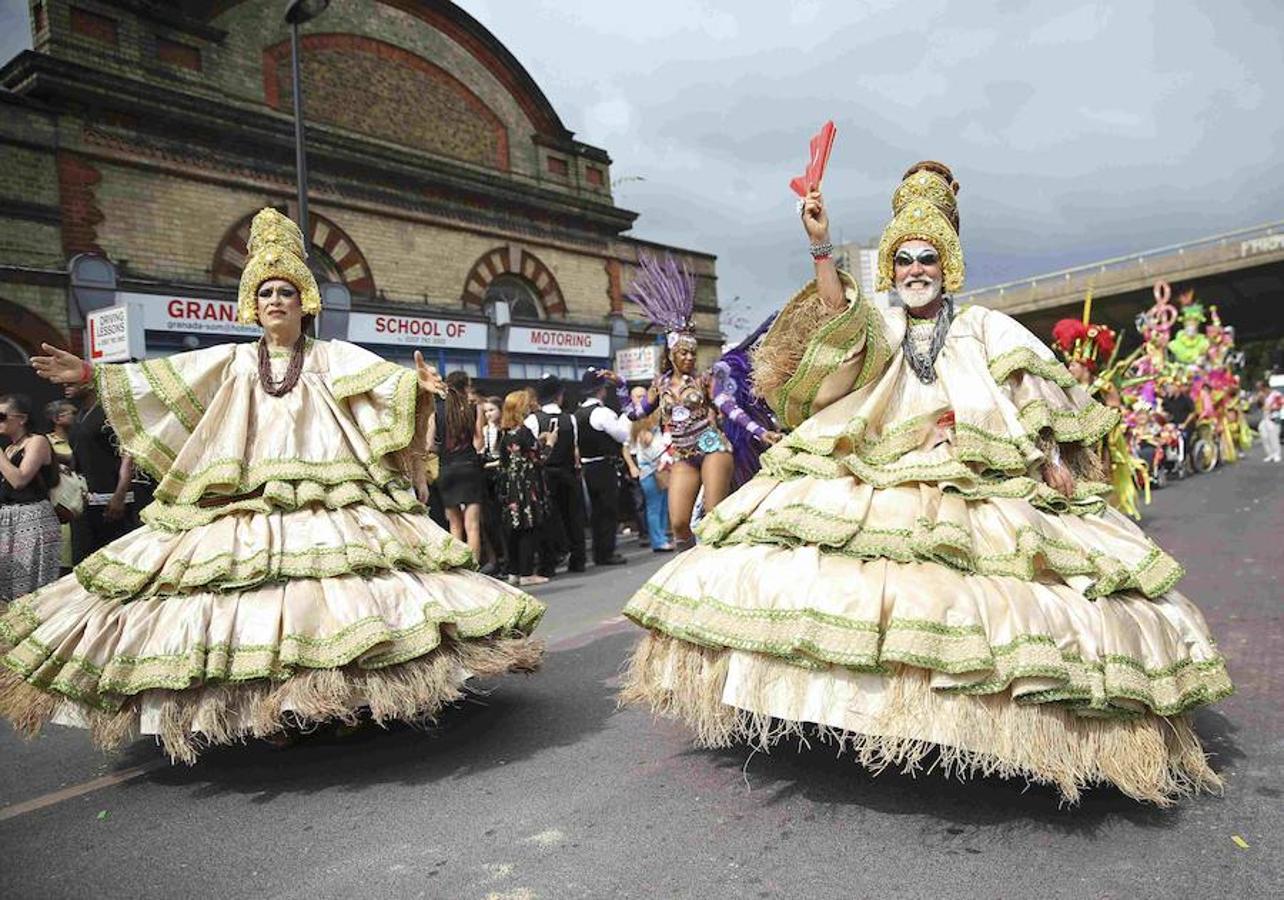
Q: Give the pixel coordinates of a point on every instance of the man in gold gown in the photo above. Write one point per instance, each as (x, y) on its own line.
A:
(926, 568)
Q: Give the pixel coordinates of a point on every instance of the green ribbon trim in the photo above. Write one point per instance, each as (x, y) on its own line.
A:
(111, 381)
(1006, 363)
(860, 322)
(111, 578)
(285, 496)
(947, 543)
(815, 640)
(106, 686)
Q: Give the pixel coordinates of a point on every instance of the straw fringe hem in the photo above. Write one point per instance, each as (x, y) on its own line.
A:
(1153, 759)
(191, 720)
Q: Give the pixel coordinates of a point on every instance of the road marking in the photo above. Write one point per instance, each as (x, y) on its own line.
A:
(570, 642)
(78, 790)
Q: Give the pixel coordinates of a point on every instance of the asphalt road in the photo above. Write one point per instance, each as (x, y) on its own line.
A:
(544, 789)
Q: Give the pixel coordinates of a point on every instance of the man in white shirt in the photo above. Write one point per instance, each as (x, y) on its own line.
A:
(564, 530)
(599, 434)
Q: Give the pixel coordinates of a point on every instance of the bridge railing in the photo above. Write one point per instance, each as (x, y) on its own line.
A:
(1129, 270)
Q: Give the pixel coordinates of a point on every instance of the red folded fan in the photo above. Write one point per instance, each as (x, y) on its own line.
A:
(821, 144)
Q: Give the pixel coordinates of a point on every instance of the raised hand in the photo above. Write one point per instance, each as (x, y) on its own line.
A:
(59, 366)
(429, 379)
(815, 218)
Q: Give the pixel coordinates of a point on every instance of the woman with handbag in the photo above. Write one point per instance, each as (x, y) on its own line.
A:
(68, 498)
(30, 539)
(650, 452)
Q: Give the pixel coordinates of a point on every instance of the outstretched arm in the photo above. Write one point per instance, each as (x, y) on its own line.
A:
(61, 367)
(643, 407)
(724, 398)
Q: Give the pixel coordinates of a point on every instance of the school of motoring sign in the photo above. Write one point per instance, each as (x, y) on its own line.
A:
(416, 331)
(558, 342)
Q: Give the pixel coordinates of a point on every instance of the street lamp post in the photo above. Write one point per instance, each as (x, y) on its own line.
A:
(296, 13)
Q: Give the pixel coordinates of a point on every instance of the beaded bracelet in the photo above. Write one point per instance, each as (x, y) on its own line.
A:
(821, 251)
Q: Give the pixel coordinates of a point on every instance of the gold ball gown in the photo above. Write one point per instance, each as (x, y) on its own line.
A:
(285, 573)
(898, 578)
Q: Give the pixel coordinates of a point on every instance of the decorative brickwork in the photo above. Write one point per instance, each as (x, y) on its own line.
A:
(77, 186)
(614, 289)
(512, 260)
(375, 88)
(28, 330)
(336, 247)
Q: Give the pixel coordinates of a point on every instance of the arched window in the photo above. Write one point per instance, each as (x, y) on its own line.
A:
(523, 301)
(11, 354)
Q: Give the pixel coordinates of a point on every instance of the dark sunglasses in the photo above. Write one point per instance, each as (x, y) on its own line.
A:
(927, 256)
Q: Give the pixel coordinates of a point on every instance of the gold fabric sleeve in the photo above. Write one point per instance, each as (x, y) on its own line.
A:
(811, 356)
(154, 406)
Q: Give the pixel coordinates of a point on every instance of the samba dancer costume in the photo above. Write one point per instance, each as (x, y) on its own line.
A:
(690, 404)
(900, 578)
(285, 575)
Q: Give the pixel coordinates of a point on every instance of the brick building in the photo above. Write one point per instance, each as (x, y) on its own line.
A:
(444, 189)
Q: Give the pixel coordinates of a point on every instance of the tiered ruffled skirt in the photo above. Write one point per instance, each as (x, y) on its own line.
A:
(917, 625)
(256, 620)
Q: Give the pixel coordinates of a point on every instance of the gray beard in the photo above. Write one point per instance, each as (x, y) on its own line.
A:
(895, 299)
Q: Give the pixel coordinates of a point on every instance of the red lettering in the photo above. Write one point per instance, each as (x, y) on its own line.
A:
(175, 308)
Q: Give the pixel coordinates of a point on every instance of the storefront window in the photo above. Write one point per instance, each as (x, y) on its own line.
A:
(536, 368)
(523, 302)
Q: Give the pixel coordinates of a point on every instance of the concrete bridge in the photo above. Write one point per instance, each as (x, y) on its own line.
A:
(1242, 272)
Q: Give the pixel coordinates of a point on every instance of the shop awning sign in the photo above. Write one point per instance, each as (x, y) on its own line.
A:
(558, 342)
(187, 315)
(416, 331)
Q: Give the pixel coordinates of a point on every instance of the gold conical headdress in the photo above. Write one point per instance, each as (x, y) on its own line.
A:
(924, 208)
(276, 251)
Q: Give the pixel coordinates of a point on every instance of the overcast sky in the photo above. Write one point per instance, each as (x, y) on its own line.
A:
(1077, 130)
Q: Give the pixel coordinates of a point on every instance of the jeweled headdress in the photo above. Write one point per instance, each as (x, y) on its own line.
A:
(924, 208)
(276, 251)
(666, 292)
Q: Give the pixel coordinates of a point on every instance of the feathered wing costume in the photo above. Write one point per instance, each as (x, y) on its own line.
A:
(733, 376)
(900, 578)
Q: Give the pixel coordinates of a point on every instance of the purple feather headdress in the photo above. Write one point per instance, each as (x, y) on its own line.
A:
(666, 292)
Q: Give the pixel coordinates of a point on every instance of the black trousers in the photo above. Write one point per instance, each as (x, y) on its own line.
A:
(566, 532)
(91, 532)
(603, 485)
(520, 549)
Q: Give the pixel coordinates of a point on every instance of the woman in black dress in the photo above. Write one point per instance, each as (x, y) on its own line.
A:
(30, 538)
(456, 432)
(522, 492)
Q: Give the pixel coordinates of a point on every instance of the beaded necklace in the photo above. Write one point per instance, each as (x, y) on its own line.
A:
(924, 363)
(293, 370)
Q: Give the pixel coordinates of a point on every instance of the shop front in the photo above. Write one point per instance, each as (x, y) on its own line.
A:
(449, 343)
(535, 351)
